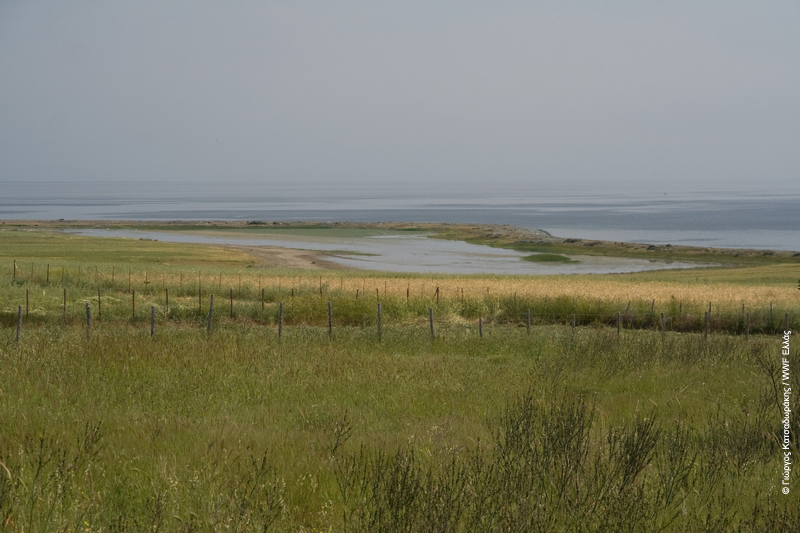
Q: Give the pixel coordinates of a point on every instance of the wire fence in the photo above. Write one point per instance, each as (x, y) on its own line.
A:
(281, 315)
(88, 295)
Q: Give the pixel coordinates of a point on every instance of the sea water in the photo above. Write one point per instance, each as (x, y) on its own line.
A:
(731, 219)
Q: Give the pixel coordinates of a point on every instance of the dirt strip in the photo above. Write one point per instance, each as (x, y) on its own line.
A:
(277, 257)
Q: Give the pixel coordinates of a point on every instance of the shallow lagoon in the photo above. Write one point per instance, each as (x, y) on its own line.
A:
(402, 252)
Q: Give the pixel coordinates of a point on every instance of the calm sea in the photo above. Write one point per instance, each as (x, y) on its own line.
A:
(762, 220)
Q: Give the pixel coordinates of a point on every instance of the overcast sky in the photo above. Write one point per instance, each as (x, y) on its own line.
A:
(678, 94)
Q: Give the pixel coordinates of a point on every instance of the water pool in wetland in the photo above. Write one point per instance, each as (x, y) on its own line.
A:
(399, 251)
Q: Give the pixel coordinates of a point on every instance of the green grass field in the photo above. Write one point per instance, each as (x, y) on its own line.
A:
(551, 428)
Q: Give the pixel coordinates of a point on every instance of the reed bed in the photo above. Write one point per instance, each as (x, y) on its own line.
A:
(250, 281)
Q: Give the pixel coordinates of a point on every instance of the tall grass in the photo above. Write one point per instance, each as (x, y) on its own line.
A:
(556, 430)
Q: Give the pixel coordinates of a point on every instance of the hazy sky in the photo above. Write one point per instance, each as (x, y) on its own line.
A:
(677, 94)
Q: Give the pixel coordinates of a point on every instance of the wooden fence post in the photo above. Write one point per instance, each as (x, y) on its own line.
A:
(14, 275)
(480, 326)
(19, 321)
(708, 316)
(573, 323)
(619, 321)
(48, 273)
(262, 299)
(99, 309)
(210, 313)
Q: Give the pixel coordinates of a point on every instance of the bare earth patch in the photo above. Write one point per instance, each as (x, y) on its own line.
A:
(277, 257)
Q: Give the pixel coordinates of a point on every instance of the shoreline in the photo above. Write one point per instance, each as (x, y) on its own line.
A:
(506, 236)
